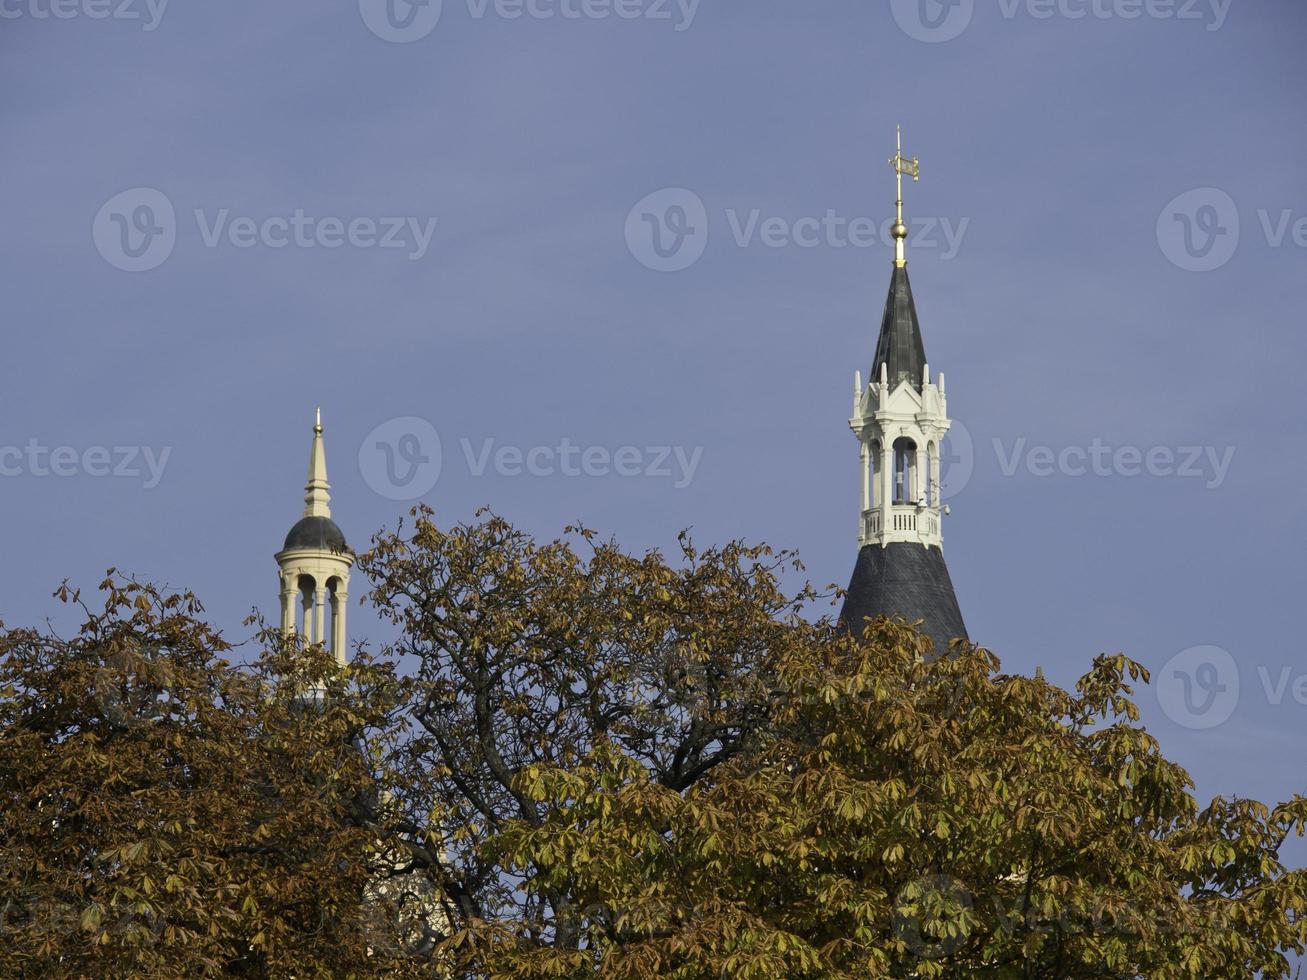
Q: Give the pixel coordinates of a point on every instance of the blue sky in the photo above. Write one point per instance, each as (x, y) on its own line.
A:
(1081, 299)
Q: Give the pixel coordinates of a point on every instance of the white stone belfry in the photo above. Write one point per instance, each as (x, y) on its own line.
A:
(901, 416)
(900, 429)
(314, 565)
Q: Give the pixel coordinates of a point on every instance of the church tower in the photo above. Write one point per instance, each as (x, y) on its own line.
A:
(315, 564)
(900, 418)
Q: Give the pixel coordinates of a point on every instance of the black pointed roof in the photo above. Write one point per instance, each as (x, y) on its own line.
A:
(900, 347)
(904, 581)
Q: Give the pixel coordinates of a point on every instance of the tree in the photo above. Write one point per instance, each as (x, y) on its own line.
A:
(165, 813)
(529, 655)
(575, 762)
(914, 818)
(628, 768)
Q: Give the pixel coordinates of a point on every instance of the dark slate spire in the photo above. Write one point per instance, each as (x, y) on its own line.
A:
(904, 581)
(900, 348)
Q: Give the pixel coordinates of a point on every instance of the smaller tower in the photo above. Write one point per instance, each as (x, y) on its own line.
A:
(315, 564)
(900, 418)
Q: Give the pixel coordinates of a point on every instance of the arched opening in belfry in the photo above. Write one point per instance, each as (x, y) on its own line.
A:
(304, 618)
(905, 471)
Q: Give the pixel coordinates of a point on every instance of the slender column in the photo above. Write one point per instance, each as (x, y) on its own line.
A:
(866, 490)
(287, 606)
(339, 638)
(320, 614)
(886, 484)
(919, 473)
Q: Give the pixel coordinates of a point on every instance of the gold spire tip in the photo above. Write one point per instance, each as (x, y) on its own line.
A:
(902, 165)
(317, 422)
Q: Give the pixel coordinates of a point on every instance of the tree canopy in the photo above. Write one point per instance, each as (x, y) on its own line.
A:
(166, 813)
(575, 762)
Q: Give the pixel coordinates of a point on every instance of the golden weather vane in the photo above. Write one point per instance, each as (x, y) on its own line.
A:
(912, 167)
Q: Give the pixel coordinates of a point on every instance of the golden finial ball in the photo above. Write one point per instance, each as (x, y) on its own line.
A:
(900, 230)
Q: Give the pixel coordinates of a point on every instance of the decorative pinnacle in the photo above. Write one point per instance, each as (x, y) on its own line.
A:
(902, 165)
(317, 495)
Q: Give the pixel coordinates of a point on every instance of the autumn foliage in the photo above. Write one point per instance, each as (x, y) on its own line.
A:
(577, 762)
(166, 814)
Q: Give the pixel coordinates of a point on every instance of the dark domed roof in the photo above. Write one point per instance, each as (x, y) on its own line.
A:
(315, 534)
